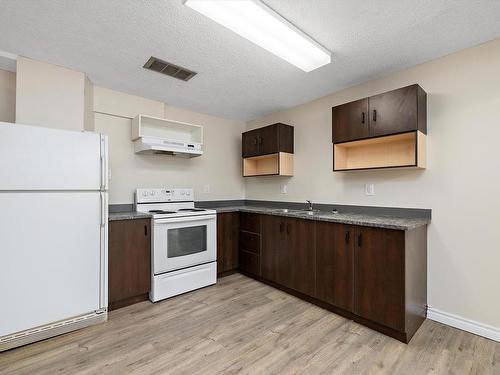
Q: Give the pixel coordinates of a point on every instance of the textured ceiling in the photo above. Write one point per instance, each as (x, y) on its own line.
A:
(110, 40)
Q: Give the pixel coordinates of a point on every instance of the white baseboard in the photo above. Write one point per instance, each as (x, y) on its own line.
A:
(472, 326)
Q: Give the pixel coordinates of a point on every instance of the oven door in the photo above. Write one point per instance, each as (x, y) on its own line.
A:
(183, 242)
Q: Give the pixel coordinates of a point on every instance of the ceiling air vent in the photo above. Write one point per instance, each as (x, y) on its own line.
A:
(169, 69)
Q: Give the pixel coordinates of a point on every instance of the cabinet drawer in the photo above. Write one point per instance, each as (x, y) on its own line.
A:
(250, 242)
(250, 222)
(250, 262)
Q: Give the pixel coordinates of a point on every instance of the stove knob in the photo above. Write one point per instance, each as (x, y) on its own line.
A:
(188, 193)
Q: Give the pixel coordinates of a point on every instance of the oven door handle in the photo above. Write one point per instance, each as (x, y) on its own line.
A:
(185, 219)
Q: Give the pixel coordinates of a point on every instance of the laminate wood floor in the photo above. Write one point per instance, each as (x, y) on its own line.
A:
(243, 326)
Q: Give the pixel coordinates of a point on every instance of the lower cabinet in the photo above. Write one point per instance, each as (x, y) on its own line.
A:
(287, 246)
(379, 264)
(129, 262)
(228, 228)
(378, 275)
(301, 243)
(375, 276)
(335, 264)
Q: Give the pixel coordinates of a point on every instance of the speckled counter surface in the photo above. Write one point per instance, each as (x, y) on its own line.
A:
(379, 221)
(132, 215)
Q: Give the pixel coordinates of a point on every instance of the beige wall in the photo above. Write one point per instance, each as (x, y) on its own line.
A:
(219, 167)
(7, 96)
(49, 95)
(461, 182)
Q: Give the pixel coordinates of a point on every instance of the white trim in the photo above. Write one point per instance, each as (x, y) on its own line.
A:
(472, 326)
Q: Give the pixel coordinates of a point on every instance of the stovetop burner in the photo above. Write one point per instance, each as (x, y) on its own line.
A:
(191, 209)
(161, 212)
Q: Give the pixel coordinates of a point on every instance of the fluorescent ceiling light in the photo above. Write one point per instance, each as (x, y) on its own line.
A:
(259, 24)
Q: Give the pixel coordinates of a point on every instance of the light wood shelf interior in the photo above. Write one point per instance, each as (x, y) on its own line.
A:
(279, 164)
(401, 150)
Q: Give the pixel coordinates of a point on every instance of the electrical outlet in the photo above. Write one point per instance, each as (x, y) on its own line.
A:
(206, 189)
(369, 189)
(284, 189)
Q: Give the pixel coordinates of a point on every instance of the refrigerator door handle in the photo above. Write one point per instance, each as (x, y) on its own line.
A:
(103, 290)
(104, 162)
(104, 209)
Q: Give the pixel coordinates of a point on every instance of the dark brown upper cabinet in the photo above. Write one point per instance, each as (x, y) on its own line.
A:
(250, 143)
(268, 151)
(268, 140)
(398, 111)
(350, 121)
(392, 112)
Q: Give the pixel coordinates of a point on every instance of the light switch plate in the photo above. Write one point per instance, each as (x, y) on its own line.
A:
(284, 189)
(206, 189)
(369, 189)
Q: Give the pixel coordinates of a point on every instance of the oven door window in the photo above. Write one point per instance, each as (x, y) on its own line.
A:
(186, 241)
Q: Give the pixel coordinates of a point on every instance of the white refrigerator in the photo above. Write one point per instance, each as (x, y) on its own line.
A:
(53, 232)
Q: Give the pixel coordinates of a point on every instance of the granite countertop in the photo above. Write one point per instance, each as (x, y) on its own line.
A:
(379, 221)
(128, 215)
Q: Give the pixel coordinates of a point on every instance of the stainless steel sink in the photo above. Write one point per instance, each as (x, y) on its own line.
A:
(299, 212)
(306, 212)
(282, 210)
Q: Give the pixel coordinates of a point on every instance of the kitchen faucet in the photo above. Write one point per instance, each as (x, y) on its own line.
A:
(310, 208)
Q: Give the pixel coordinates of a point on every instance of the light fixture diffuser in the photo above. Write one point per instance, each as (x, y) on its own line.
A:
(258, 23)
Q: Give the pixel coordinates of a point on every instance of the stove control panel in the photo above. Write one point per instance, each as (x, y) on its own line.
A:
(164, 195)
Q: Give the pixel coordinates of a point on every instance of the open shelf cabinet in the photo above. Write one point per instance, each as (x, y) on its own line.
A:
(277, 164)
(154, 127)
(406, 150)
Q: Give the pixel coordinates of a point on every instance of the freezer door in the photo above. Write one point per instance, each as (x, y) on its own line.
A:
(50, 257)
(36, 158)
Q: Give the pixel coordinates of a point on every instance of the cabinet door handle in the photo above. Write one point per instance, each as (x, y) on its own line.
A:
(260, 140)
(281, 227)
(145, 230)
(347, 236)
(288, 229)
(255, 141)
(374, 115)
(360, 240)
(362, 117)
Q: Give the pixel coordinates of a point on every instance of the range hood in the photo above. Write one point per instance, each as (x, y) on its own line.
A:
(152, 135)
(159, 146)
